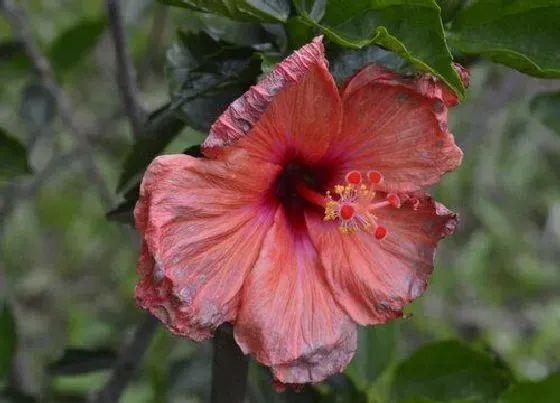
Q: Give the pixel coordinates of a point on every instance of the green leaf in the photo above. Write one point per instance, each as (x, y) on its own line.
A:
(449, 371)
(70, 47)
(343, 390)
(76, 361)
(226, 29)
(123, 213)
(412, 28)
(377, 348)
(520, 34)
(545, 391)
(417, 400)
(345, 62)
(242, 10)
(8, 340)
(161, 127)
(10, 49)
(299, 32)
(13, 56)
(546, 107)
(267, 10)
(449, 8)
(205, 76)
(13, 157)
(268, 63)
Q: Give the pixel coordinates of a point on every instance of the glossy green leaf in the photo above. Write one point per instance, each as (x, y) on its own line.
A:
(226, 29)
(413, 29)
(72, 45)
(242, 10)
(345, 62)
(299, 32)
(377, 349)
(449, 371)
(521, 34)
(8, 340)
(161, 127)
(81, 361)
(449, 8)
(13, 157)
(545, 391)
(266, 10)
(205, 76)
(314, 9)
(546, 107)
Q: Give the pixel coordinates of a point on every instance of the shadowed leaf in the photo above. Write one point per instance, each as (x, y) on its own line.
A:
(70, 47)
(377, 349)
(124, 212)
(205, 76)
(242, 10)
(8, 340)
(545, 391)
(81, 361)
(13, 157)
(449, 371)
(159, 130)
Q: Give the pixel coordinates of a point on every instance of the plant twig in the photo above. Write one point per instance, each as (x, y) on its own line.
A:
(128, 362)
(156, 42)
(18, 20)
(125, 68)
(229, 368)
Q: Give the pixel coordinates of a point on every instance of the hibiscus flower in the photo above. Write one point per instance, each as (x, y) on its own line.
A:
(306, 216)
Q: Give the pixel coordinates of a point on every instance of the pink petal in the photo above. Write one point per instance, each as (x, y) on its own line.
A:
(288, 316)
(203, 224)
(398, 127)
(373, 279)
(296, 109)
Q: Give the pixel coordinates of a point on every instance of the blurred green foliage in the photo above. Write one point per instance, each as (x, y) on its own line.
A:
(70, 293)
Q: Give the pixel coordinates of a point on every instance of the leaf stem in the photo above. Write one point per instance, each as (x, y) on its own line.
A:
(128, 362)
(126, 79)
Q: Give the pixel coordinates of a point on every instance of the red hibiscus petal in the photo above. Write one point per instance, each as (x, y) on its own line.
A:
(203, 224)
(373, 279)
(288, 316)
(296, 109)
(397, 126)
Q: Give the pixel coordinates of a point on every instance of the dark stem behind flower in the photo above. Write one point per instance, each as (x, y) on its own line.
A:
(229, 368)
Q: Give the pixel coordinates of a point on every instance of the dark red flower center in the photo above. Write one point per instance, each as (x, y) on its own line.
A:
(302, 186)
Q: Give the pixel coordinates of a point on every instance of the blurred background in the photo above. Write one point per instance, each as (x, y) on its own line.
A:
(69, 273)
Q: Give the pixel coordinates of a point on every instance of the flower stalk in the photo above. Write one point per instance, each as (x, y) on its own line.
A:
(229, 368)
